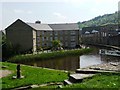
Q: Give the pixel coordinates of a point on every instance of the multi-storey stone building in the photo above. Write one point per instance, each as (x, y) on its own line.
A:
(31, 36)
(106, 35)
(67, 33)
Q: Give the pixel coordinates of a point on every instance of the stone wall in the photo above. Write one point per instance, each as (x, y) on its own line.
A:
(21, 35)
(106, 35)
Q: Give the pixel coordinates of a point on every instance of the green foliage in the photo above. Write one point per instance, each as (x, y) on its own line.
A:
(51, 55)
(56, 45)
(39, 49)
(8, 50)
(32, 75)
(101, 20)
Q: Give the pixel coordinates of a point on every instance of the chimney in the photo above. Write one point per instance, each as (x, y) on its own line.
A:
(38, 22)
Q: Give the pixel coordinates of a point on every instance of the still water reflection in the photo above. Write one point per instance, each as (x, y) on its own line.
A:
(66, 63)
(88, 60)
(72, 63)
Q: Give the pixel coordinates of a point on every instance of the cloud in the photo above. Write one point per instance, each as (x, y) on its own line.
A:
(29, 12)
(59, 15)
(19, 11)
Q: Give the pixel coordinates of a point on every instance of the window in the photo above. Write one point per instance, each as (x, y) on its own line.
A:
(38, 45)
(66, 44)
(51, 38)
(56, 38)
(72, 44)
(50, 44)
(61, 32)
(50, 33)
(61, 38)
(72, 32)
(42, 38)
(72, 38)
(105, 34)
(42, 32)
(43, 44)
(56, 33)
(38, 39)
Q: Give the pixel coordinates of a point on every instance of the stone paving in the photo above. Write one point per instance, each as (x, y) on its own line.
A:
(107, 66)
(91, 71)
(101, 68)
(4, 73)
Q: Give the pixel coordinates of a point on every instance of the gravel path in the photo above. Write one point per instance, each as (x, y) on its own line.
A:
(4, 73)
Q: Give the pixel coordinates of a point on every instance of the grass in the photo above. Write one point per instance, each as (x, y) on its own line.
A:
(99, 81)
(39, 76)
(32, 76)
(45, 56)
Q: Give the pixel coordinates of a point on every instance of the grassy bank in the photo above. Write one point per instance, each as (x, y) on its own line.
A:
(51, 55)
(32, 76)
(98, 82)
(39, 76)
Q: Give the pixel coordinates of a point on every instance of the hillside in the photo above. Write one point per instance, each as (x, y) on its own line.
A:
(100, 20)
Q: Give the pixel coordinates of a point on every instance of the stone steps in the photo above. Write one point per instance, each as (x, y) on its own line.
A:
(77, 78)
(93, 71)
(67, 82)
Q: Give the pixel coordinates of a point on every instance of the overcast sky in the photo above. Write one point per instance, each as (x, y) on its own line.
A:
(54, 11)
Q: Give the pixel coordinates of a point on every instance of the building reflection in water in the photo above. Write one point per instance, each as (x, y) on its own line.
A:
(67, 63)
(72, 63)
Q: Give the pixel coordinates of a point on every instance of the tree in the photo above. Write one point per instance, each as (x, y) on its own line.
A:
(56, 45)
(8, 50)
(39, 49)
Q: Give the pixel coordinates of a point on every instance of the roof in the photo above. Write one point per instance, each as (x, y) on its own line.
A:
(40, 26)
(66, 26)
(50, 27)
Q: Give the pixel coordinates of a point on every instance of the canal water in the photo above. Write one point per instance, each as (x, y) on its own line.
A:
(72, 63)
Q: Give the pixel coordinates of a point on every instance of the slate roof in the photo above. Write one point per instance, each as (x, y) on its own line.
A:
(66, 26)
(50, 27)
(40, 26)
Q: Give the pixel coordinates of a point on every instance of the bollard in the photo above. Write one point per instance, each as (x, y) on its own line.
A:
(68, 74)
(18, 71)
